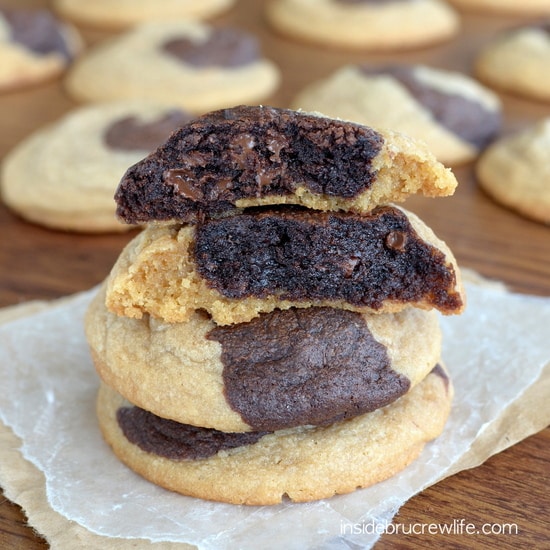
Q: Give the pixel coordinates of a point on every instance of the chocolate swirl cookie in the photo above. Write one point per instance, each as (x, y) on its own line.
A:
(120, 14)
(250, 156)
(368, 25)
(238, 266)
(452, 113)
(182, 63)
(64, 175)
(287, 368)
(303, 463)
(35, 47)
(516, 60)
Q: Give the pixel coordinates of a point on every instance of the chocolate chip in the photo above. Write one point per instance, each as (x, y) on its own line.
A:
(396, 240)
(183, 182)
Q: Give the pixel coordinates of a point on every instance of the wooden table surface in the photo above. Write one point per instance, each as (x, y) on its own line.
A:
(510, 488)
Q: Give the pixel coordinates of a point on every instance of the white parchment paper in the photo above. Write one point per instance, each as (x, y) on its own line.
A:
(494, 351)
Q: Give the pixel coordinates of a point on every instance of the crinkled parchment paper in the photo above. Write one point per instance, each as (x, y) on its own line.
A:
(496, 352)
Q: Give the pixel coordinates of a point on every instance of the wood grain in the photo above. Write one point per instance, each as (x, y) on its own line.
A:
(510, 488)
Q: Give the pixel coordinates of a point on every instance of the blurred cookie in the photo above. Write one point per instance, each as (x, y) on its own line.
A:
(517, 61)
(238, 266)
(365, 24)
(64, 175)
(283, 369)
(505, 7)
(188, 64)
(257, 468)
(34, 47)
(251, 156)
(454, 115)
(117, 14)
(515, 171)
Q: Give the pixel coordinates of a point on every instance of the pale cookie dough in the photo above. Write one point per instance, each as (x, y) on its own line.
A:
(237, 267)
(189, 64)
(117, 14)
(517, 61)
(259, 155)
(34, 47)
(64, 175)
(452, 113)
(515, 171)
(304, 463)
(530, 8)
(365, 24)
(284, 369)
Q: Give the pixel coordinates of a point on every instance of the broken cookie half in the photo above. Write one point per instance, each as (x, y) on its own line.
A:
(238, 266)
(254, 156)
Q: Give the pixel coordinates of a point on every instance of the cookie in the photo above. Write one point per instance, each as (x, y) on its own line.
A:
(64, 175)
(516, 61)
(238, 266)
(252, 156)
(118, 14)
(364, 24)
(454, 115)
(34, 47)
(529, 8)
(515, 171)
(256, 468)
(187, 64)
(283, 369)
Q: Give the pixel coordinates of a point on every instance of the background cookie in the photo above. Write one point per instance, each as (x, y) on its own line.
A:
(283, 369)
(116, 14)
(517, 61)
(257, 155)
(515, 171)
(454, 115)
(367, 25)
(505, 7)
(302, 463)
(239, 266)
(64, 176)
(189, 64)
(34, 47)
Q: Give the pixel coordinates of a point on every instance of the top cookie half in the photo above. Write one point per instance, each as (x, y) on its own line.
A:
(253, 156)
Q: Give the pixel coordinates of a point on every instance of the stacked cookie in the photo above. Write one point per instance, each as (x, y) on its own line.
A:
(273, 331)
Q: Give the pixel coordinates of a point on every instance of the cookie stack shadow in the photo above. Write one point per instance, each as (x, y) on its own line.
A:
(273, 331)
